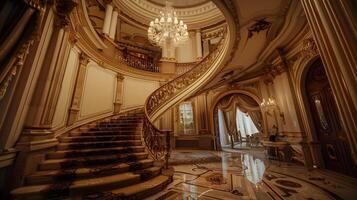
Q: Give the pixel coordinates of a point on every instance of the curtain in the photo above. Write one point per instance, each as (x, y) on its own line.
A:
(222, 129)
(228, 108)
(237, 123)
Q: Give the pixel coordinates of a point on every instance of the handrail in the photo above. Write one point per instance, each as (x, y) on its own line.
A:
(158, 141)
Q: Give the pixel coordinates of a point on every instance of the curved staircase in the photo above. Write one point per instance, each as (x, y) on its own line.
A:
(107, 158)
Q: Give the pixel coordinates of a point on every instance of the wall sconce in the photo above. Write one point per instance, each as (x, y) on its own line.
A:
(271, 104)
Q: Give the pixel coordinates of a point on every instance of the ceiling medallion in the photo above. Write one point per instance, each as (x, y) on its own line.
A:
(168, 28)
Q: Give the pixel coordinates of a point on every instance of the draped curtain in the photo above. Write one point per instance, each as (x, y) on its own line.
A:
(229, 104)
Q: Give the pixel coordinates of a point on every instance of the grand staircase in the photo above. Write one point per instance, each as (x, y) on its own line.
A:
(105, 160)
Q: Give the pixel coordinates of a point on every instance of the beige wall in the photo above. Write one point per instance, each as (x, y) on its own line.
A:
(187, 52)
(99, 91)
(67, 87)
(136, 91)
(284, 98)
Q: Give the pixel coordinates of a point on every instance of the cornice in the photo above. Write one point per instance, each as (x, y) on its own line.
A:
(195, 17)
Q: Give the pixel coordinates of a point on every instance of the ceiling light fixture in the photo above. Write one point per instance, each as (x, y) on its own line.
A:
(167, 28)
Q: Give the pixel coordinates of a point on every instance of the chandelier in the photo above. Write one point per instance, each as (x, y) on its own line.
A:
(167, 28)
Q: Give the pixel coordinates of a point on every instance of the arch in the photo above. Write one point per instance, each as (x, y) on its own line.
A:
(218, 98)
(313, 156)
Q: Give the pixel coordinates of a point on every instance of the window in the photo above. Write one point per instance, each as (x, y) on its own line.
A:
(186, 118)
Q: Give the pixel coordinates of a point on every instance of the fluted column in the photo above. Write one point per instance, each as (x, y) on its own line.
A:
(334, 30)
(78, 89)
(107, 18)
(119, 94)
(113, 25)
(198, 45)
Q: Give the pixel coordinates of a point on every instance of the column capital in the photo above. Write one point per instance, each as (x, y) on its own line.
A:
(83, 59)
(107, 1)
(62, 9)
(120, 77)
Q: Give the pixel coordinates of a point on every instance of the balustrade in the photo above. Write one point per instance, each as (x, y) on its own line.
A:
(158, 141)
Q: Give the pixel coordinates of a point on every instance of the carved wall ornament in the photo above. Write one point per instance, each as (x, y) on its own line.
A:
(19, 62)
(36, 4)
(309, 48)
(83, 59)
(63, 8)
(259, 25)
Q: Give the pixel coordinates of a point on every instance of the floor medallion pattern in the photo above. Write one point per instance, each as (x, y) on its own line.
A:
(240, 175)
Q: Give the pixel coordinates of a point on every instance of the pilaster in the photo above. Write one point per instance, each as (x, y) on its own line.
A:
(119, 94)
(78, 90)
(334, 31)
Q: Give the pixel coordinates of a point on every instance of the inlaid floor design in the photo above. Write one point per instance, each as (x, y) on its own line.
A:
(243, 176)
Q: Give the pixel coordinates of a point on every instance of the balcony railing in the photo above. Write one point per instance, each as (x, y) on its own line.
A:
(140, 63)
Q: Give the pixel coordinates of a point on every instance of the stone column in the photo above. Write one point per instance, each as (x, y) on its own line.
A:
(205, 47)
(334, 30)
(113, 25)
(78, 89)
(107, 18)
(198, 45)
(37, 135)
(118, 34)
(119, 94)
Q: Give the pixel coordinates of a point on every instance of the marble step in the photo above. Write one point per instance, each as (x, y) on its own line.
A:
(94, 152)
(77, 187)
(49, 176)
(100, 138)
(111, 125)
(121, 123)
(115, 128)
(103, 132)
(134, 192)
(103, 144)
(72, 163)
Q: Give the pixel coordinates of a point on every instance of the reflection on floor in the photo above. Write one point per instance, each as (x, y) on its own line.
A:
(240, 175)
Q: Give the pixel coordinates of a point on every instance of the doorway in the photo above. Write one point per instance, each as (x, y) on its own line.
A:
(328, 128)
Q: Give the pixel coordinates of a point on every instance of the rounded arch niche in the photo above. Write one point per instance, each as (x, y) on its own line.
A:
(244, 100)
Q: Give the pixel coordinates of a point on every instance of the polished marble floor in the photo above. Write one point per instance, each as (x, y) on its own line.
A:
(248, 175)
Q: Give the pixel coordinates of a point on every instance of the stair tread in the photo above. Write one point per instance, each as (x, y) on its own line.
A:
(140, 187)
(96, 142)
(77, 184)
(84, 170)
(99, 136)
(99, 149)
(89, 182)
(92, 157)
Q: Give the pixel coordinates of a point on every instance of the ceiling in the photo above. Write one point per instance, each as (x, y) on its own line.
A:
(180, 3)
(265, 25)
(195, 13)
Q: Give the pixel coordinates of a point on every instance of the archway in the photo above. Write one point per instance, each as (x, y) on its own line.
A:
(236, 104)
(325, 121)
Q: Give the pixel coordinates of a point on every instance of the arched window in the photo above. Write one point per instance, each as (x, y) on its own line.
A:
(186, 118)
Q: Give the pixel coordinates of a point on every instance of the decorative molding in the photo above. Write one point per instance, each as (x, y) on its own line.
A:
(36, 4)
(259, 25)
(13, 70)
(62, 9)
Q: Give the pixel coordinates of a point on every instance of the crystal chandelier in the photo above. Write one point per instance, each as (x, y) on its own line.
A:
(167, 28)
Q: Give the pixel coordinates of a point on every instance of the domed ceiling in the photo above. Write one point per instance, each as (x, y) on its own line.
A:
(180, 3)
(195, 13)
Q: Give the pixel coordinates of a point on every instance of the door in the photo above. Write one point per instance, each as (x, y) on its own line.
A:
(333, 141)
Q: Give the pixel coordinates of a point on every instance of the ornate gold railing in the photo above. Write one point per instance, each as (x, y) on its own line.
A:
(158, 141)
